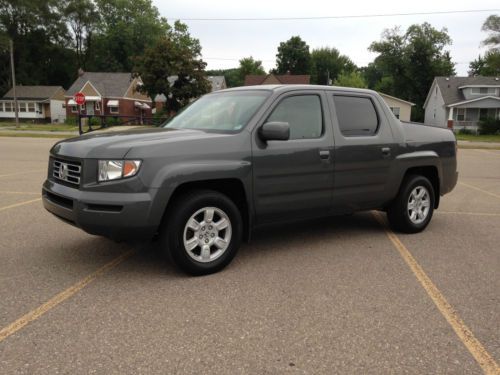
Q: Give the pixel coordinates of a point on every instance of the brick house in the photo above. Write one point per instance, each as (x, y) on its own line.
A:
(35, 104)
(108, 94)
(275, 79)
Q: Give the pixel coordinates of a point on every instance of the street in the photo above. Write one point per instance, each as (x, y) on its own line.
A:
(342, 295)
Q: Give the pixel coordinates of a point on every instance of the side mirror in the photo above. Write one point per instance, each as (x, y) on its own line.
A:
(275, 131)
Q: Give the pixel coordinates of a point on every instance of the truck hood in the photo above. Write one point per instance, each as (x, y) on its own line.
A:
(115, 145)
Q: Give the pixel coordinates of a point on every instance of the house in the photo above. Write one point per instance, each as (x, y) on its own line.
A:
(35, 103)
(461, 102)
(113, 94)
(275, 79)
(401, 108)
(217, 82)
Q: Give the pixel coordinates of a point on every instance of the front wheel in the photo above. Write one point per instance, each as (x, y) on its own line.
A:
(412, 209)
(203, 232)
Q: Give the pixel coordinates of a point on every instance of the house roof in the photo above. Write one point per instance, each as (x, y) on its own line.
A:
(218, 82)
(107, 84)
(449, 86)
(397, 99)
(287, 79)
(475, 100)
(33, 92)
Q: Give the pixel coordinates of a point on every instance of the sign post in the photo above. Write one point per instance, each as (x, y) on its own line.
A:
(79, 99)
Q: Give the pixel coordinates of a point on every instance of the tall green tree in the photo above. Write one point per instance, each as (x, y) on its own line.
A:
(174, 54)
(293, 57)
(351, 79)
(125, 29)
(328, 63)
(492, 26)
(409, 62)
(250, 66)
(41, 41)
(489, 65)
(83, 18)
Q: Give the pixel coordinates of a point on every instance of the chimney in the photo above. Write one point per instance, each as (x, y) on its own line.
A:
(80, 72)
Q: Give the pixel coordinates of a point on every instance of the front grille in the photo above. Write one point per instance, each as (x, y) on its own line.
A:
(67, 171)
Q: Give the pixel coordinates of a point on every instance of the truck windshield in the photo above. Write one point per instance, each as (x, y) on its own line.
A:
(225, 111)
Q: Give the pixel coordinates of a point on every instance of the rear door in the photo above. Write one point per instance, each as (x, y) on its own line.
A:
(294, 179)
(364, 151)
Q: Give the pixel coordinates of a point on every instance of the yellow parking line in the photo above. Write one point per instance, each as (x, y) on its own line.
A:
(58, 298)
(479, 189)
(20, 204)
(20, 192)
(468, 213)
(483, 358)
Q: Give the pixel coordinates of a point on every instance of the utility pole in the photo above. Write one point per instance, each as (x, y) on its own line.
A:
(16, 109)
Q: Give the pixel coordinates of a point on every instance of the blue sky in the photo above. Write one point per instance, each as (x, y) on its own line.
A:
(225, 42)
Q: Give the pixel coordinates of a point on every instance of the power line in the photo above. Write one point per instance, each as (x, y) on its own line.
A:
(341, 17)
(235, 59)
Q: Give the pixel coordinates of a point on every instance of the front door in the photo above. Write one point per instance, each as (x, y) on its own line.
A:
(90, 108)
(294, 178)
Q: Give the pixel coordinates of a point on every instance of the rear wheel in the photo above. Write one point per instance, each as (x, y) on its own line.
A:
(412, 209)
(203, 232)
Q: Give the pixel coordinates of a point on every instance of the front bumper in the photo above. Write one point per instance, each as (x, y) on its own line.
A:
(109, 214)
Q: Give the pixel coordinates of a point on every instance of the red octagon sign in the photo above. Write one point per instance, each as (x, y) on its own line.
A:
(79, 98)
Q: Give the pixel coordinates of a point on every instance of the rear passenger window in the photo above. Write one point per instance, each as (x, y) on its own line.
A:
(303, 113)
(356, 115)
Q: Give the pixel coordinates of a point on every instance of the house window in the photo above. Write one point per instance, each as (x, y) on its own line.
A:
(97, 106)
(483, 90)
(460, 114)
(1, 106)
(396, 111)
(31, 107)
(8, 107)
(113, 110)
(83, 107)
(22, 107)
(74, 109)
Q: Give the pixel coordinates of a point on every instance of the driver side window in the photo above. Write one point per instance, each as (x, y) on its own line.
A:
(304, 115)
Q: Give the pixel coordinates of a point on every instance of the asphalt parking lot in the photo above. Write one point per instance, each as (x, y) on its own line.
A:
(342, 295)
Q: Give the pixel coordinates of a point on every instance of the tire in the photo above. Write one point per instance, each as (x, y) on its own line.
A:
(190, 234)
(412, 209)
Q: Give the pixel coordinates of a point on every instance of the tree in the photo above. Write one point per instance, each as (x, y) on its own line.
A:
(40, 39)
(351, 79)
(293, 57)
(250, 66)
(409, 62)
(124, 30)
(82, 18)
(177, 55)
(328, 63)
(489, 65)
(492, 25)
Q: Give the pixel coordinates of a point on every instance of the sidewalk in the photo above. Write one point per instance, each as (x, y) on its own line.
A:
(471, 144)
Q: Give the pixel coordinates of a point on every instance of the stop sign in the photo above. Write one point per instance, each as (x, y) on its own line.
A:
(79, 98)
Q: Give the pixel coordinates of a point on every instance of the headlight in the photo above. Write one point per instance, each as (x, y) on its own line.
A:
(116, 169)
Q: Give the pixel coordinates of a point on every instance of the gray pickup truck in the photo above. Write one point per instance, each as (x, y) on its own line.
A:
(241, 158)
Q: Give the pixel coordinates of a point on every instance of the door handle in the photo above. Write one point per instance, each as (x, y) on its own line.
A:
(386, 151)
(324, 154)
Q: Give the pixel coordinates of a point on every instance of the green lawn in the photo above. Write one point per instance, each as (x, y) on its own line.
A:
(46, 127)
(478, 138)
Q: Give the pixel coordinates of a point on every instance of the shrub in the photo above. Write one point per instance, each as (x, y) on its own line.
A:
(465, 131)
(489, 126)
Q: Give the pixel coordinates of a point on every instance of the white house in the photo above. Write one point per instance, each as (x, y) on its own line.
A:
(35, 103)
(461, 102)
(401, 108)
